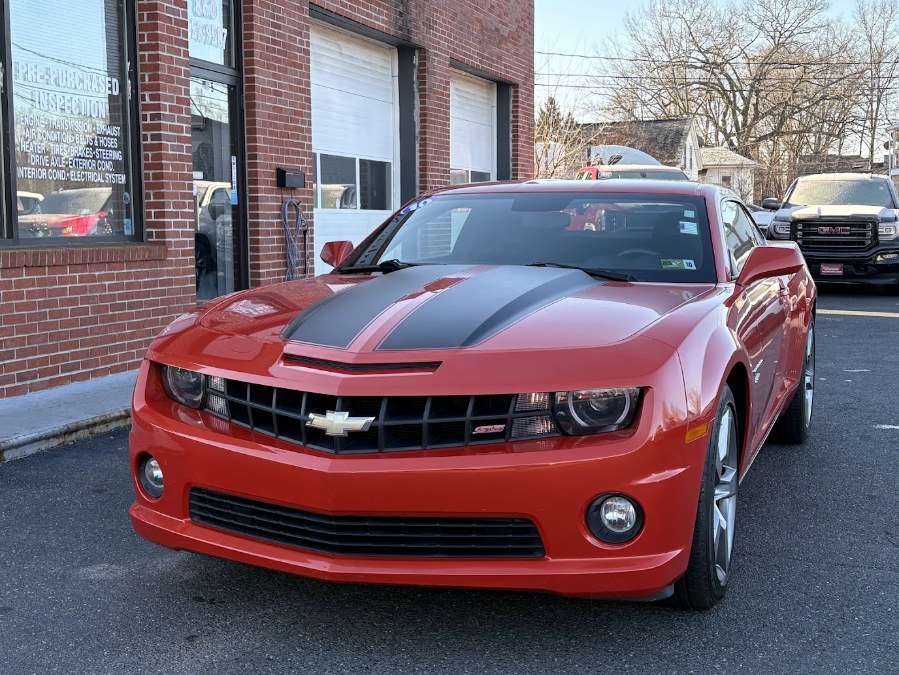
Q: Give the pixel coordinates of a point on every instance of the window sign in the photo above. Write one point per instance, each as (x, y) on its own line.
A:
(210, 31)
(70, 129)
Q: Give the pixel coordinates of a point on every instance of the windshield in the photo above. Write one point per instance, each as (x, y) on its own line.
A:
(862, 192)
(645, 236)
(83, 202)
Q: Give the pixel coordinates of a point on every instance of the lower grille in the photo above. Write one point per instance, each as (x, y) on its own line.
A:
(398, 537)
(827, 235)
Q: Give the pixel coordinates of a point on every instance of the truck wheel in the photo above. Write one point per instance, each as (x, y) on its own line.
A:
(793, 424)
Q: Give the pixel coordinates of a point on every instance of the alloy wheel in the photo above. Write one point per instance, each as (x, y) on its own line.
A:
(724, 504)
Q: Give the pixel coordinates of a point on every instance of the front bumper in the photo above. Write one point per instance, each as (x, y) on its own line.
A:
(870, 267)
(549, 481)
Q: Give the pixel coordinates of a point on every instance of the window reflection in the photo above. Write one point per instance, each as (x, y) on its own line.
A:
(71, 118)
(338, 179)
(215, 187)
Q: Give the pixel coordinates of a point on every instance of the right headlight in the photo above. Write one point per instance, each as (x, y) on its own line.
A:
(593, 411)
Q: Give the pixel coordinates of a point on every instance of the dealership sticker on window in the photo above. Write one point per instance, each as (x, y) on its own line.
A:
(688, 228)
(678, 264)
(414, 206)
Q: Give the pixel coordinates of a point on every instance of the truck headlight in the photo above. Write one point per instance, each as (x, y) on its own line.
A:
(184, 386)
(779, 229)
(592, 411)
(888, 230)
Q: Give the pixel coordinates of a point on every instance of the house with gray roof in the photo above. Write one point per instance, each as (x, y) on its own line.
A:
(674, 142)
(725, 167)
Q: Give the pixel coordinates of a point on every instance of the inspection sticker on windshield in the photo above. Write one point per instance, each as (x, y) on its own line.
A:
(688, 228)
(678, 264)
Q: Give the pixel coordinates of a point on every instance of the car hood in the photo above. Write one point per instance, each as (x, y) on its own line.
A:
(842, 211)
(436, 308)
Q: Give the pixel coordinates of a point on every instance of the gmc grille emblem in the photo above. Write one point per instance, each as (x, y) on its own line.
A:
(834, 230)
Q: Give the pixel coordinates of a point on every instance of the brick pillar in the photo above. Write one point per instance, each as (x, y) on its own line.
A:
(278, 124)
(433, 119)
(164, 86)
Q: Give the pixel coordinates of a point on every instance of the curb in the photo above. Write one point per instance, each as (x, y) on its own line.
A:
(26, 445)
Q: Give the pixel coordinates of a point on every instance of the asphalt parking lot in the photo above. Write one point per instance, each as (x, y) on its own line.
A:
(815, 586)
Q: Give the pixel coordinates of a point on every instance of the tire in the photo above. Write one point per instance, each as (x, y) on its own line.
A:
(793, 424)
(708, 571)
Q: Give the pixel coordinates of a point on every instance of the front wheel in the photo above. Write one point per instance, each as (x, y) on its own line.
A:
(708, 571)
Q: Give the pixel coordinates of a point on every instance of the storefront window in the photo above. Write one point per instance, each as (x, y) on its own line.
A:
(71, 127)
(210, 31)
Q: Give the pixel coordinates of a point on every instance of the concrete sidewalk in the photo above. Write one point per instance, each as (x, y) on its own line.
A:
(44, 419)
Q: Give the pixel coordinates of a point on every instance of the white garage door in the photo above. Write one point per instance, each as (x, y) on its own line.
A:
(354, 136)
(472, 129)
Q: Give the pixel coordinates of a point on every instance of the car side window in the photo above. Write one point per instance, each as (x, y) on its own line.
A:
(740, 234)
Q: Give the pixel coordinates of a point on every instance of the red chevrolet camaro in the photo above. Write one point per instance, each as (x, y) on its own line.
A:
(480, 396)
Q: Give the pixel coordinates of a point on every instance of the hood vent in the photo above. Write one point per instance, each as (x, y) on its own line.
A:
(361, 368)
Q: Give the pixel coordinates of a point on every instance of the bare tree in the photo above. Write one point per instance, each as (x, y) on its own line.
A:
(877, 24)
(770, 79)
(561, 143)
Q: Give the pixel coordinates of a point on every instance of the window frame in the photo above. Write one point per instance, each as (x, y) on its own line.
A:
(131, 125)
(232, 76)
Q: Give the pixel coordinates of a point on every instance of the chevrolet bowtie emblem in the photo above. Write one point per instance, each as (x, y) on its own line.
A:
(338, 423)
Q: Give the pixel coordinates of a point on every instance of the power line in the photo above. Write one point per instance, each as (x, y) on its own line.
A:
(638, 59)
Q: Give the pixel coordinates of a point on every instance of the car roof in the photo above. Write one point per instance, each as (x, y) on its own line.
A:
(844, 176)
(634, 167)
(619, 185)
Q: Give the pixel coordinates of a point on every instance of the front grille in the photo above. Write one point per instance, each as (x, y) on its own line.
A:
(400, 423)
(853, 236)
(400, 537)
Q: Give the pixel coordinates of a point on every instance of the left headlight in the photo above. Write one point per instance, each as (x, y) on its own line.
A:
(592, 411)
(185, 386)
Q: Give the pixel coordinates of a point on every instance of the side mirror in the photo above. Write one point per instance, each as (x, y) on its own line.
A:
(771, 204)
(335, 252)
(771, 261)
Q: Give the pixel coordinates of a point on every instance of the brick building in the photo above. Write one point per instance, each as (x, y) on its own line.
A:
(141, 140)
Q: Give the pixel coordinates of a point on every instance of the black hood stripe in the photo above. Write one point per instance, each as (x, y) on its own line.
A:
(482, 306)
(339, 318)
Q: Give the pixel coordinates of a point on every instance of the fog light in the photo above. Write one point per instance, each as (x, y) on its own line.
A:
(889, 256)
(150, 475)
(614, 518)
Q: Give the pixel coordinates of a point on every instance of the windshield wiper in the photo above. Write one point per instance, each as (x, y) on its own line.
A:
(385, 266)
(593, 272)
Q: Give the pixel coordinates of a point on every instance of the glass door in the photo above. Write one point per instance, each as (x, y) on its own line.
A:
(217, 190)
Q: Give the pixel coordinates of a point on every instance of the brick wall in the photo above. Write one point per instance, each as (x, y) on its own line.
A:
(73, 313)
(495, 38)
